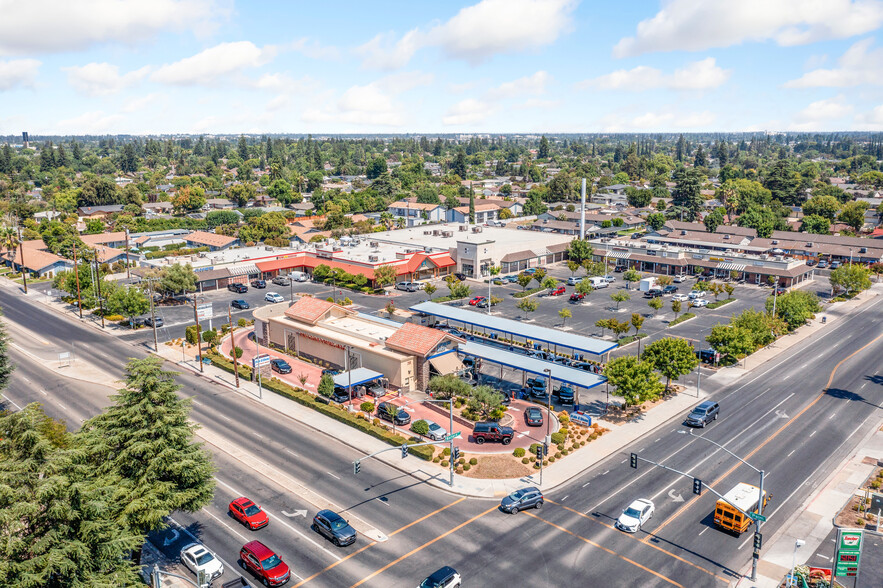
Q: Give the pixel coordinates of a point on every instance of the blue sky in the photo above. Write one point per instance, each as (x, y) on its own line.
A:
(227, 66)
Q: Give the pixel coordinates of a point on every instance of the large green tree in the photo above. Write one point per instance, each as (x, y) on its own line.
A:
(818, 225)
(672, 357)
(795, 307)
(851, 278)
(579, 250)
(853, 214)
(688, 183)
(824, 206)
(729, 340)
(634, 380)
(128, 301)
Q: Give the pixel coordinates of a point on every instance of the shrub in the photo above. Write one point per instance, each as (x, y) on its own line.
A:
(447, 451)
(525, 460)
(237, 351)
(560, 447)
(558, 438)
(519, 452)
(565, 452)
(467, 467)
(242, 322)
(190, 334)
(551, 460)
(563, 417)
(473, 461)
(436, 459)
(461, 461)
(420, 427)
(367, 407)
(376, 422)
(114, 318)
(444, 463)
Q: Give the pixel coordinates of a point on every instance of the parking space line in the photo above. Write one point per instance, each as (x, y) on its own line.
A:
(610, 551)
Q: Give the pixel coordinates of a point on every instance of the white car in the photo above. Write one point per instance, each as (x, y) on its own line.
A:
(680, 278)
(632, 518)
(696, 294)
(198, 557)
(680, 297)
(436, 432)
(699, 302)
(609, 279)
(273, 297)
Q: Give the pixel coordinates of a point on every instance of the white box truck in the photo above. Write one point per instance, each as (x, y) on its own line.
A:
(598, 282)
(647, 284)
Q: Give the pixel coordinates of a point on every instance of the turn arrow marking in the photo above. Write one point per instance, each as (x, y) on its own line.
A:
(675, 497)
(169, 540)
(297, 513)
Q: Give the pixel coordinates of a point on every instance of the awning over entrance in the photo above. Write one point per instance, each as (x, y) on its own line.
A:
(735, 267)
(619, 254)
(244, 270)
(448, 363)
(356, 377)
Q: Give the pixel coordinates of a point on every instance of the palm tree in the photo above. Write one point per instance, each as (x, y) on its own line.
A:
(386, 219)
(9, 238)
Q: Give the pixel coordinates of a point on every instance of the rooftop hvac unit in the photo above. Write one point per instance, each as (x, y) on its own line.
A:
(463, 228)
(373, 258)
(683, 232)
(436, 233)
(268, 248)
(779, 258)
(373, 243)
(726, 236)
(809, 244)
(775, 242)
(476, 229)
(427, 232)
(863, 250)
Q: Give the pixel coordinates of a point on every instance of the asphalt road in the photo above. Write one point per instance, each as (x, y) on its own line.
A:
(779, 419)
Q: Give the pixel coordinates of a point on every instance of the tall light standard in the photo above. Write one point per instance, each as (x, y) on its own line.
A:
(549, 405)
(792, 581)
(759, 497)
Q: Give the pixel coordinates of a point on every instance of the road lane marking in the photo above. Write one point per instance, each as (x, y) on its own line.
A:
(813, 433)
(44, 392)
(771, 437)
(601, 547)
(231, 529)
(586, 484)
(702, 531)
(832, 416)
(11, 401)
(333, 476)
(291, 452)
(424, 546)
(630, 536)
(228, 419)
(792, 451)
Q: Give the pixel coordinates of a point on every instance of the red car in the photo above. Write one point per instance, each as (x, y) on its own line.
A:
(247, 512)
(476, 300)
(558, 291)
(577, 297)
(261, 561)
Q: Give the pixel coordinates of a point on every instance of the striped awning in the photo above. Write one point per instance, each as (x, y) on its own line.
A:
(619, 254)
(735, 267)
(244, 269)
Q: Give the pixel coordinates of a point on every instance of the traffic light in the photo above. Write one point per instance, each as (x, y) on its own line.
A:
(357, 467)
(455, 454)
(758, 541)
(633, 460)
(697, 486)
(404, 450)
(539, 450)
(545, 449)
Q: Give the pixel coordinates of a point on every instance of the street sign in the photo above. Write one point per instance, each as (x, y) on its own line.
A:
(756, 517)
(848, 554)
(204, 311)
(452, 436)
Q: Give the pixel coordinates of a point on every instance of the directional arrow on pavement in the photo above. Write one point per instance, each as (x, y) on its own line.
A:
(674, 496)
(297, 513)
(169, 540)
(781, 414)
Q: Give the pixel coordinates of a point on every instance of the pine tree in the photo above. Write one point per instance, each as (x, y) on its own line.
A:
(543, 151)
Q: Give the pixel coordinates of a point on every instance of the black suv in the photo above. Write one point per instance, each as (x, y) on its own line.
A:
(703, 414)
(385, 412)
(334, 527)
(492, 432)
(240, 304)
(340, 395)
(259, 284)
(238, 288)
(670, 289)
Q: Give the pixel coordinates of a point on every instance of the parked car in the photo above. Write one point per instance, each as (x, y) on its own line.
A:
(810, 262)
(459, 276)
(577, 297)
(523, 498)
(240, 304)
(699, 303)
(280, 365)
(407, 286)
(653, 293)
(530, 271)
(334, 527)
(376, 390)
(670, 289)
(835, 264)
(273, 297)
(695, 294)
(708, 356)
(558, 291)
(564, 394)
(823, 264)
(248, 513)
(282, 281)
(609, 278)
(259, 284)
(679, 278)
(536, 386)
(340, 395)
(704, 413)
(197, 557)
(444, 577)
(238, 288)
(475, 300)
(154, 322)
(573, 280)
(385, 410)
(436, 432)
(619, 269)
(780, 290)
(263, 562)
(494, 432)
(485, 303)
(533, 416)
(635, 515)
(680, 297)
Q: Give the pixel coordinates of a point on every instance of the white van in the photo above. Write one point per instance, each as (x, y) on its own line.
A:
(598, 282)
(299, 276)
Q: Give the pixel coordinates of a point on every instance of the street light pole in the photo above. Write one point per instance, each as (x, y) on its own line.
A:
(198, 334)
(128, 273)
(797, 545)
(77, 276)
(21, 252)
(152, 314)
(699, 374)
(233, 346)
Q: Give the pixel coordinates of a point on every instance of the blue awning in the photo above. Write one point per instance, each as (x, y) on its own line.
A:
(519, 361)
(356, 377)
(498, 324)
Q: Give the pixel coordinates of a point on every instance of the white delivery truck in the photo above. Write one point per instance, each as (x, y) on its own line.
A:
(598, 282)
(647, 284)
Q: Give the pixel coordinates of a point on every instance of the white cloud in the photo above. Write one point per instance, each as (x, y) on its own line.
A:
(872, 121)
(477, 32)
(537, 103)
(858, 65)
(373, 104)
(91, 122)
(52, 26)
(535, 84)
(314, 50)
(698, 75)
(214, 63)
(819, 114)
(18, 72)
(688, 25)
(469, 111)
(141, 103)
(656, 121)
(97, 79)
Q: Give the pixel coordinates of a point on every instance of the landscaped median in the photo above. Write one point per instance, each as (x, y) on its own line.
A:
(322, 406)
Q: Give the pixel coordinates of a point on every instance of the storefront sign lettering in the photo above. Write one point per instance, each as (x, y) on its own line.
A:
(321, 340)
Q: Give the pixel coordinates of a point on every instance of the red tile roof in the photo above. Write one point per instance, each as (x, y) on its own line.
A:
(415, 339)
(308, 309)
(212, 239)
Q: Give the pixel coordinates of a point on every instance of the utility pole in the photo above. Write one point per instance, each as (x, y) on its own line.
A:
(233, 347)
(257, 368)
(77, 276)
(98, 282)
(152, 314)
(24, 271)
(128, 273)
(198, 334)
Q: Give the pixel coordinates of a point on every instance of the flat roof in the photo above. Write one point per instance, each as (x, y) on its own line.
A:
(573, 341)
(505, 237)
(356, 377)
(522, 362)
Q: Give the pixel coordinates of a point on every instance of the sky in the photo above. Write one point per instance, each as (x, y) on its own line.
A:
(474, 66)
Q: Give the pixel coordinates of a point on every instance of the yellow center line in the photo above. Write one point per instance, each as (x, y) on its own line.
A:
(770, 438)
(360, 550)
(424, 546)
(677, 557)
(610, 551)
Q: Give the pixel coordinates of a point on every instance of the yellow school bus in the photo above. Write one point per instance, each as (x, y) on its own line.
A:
(744, 496)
